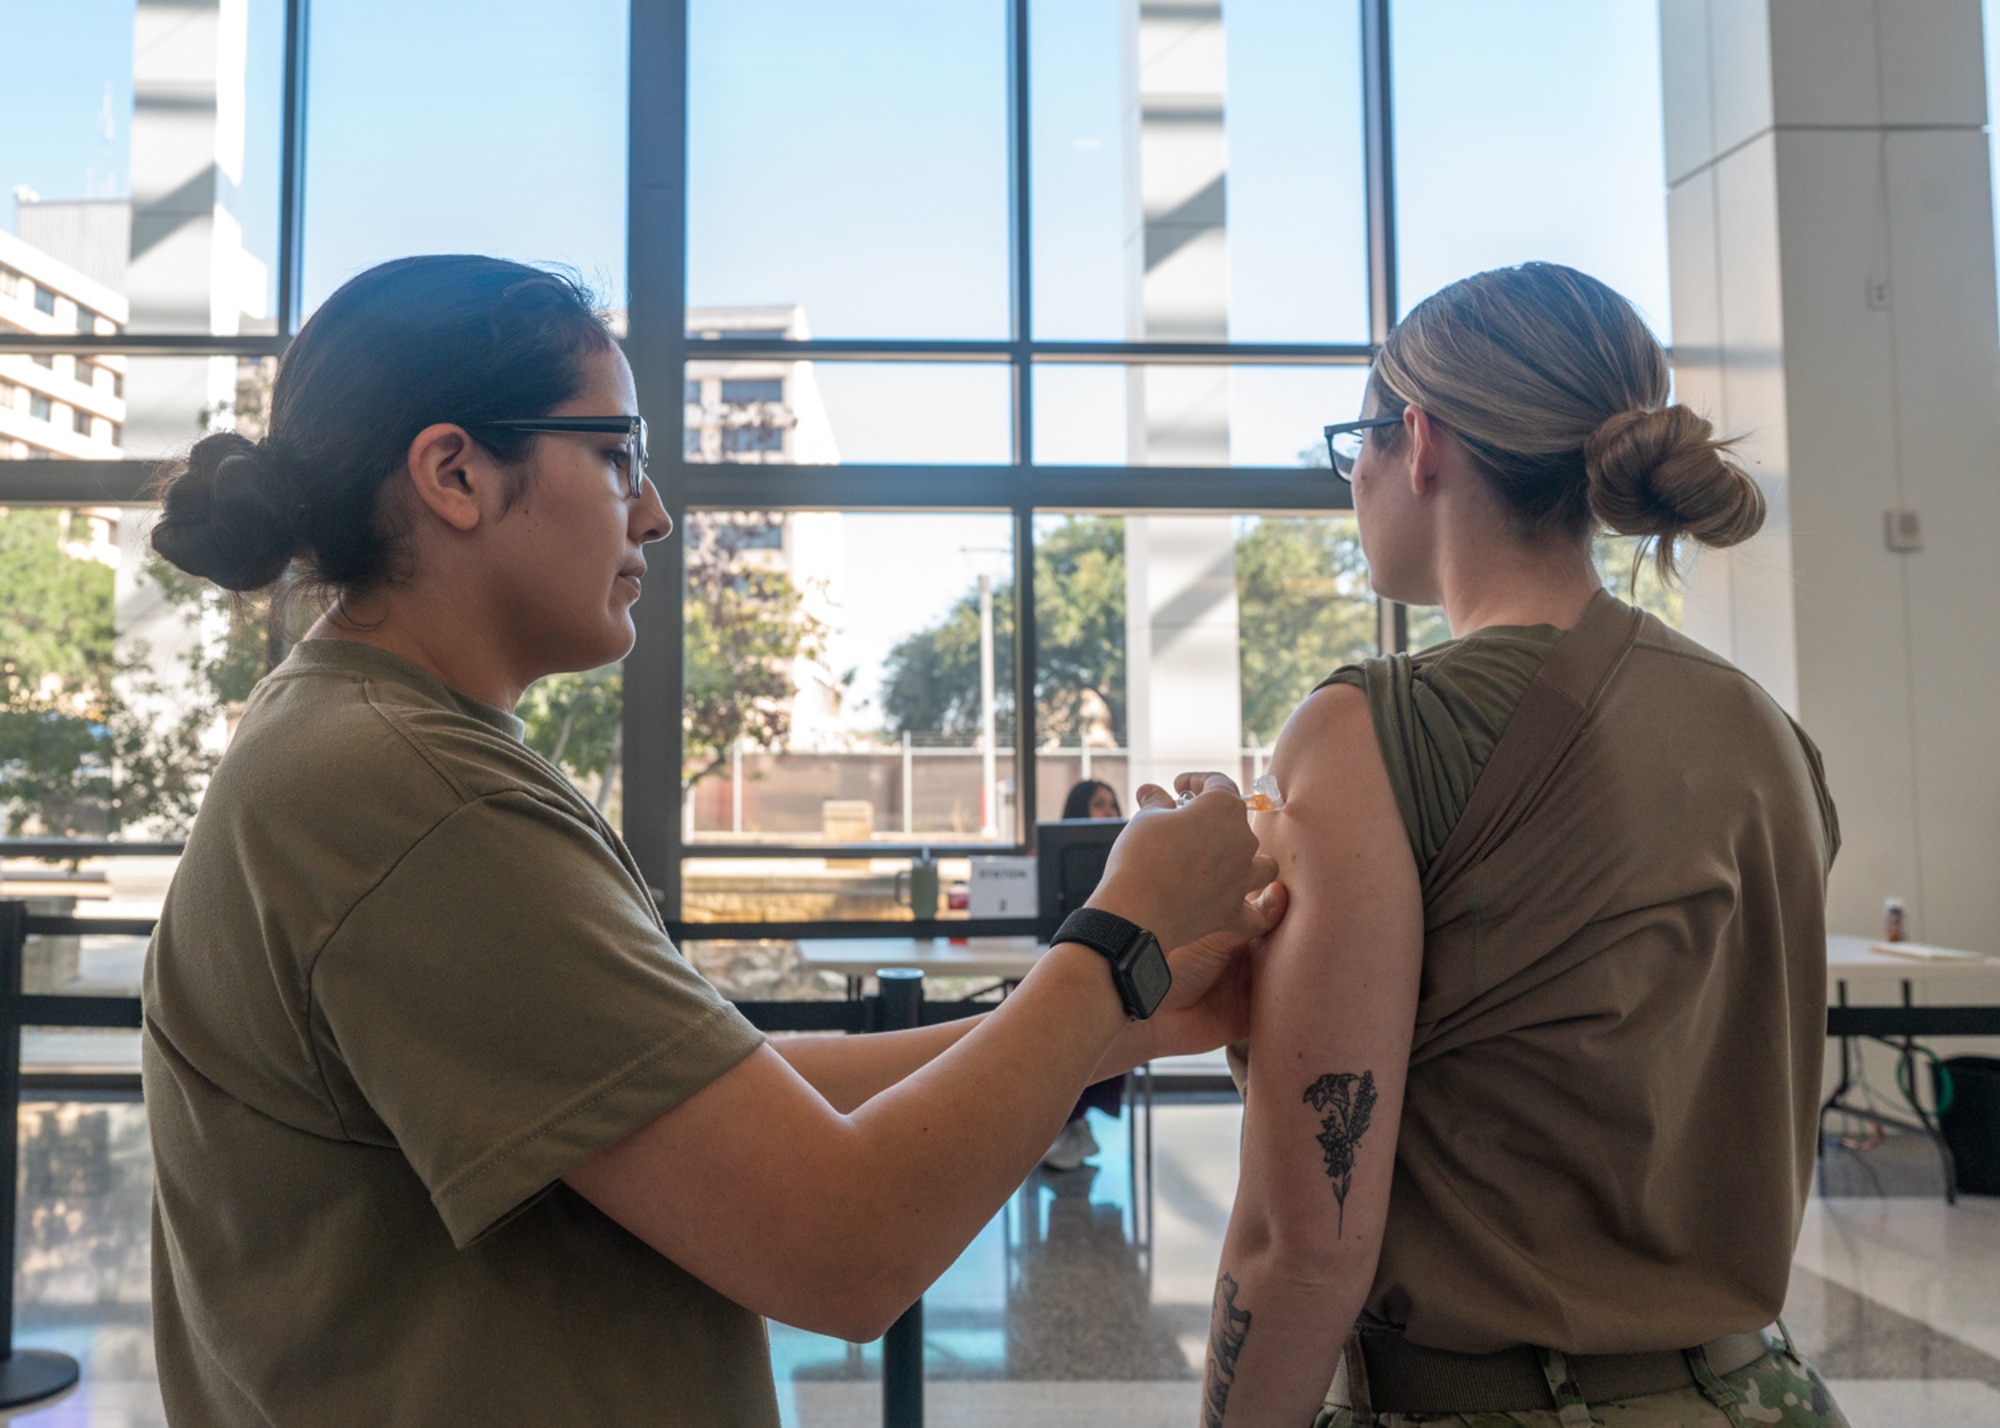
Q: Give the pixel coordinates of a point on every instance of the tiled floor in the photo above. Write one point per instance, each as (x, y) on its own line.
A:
(1084, 1305)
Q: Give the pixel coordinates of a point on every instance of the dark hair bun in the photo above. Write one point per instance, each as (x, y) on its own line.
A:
(227, 515)
(1662, 472)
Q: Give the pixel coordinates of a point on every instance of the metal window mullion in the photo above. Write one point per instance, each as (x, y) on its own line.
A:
(1384, 300)
(655, 678)
(1019, 348)
(1001, 488)
(777, 488)
(1021, 209)
(1379, 141)
(292, 167)
(55, 481)
(909, 848)
(145, 344)
(1020, 234)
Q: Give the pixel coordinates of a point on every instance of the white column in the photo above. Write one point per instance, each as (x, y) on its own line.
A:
(1183, 700)
(1184, 697)
(187, 271)
(1831, 239)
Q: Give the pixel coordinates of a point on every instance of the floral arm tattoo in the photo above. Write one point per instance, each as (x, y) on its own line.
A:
(1228, 1326)
(1345, 1102)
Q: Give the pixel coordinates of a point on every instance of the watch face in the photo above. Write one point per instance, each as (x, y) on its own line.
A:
(1149, 977)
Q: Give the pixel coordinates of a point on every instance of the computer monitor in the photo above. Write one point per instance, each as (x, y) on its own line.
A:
(1069, 859)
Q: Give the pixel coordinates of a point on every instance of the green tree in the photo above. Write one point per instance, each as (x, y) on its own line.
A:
(575, 721)
(1304, 606)
(89, 742)
(254, 635)
(930, 682)
(1303, 609)
(744, 628)
(1080, 627)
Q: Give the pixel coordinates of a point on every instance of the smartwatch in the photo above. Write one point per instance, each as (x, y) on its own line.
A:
(1138, 967)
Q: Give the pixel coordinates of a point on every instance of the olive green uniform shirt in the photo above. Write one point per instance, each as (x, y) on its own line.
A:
(1608, 1128)
(405, 979)
(1439, 714)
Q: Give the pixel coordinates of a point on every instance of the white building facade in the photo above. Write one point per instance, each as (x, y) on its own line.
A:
(58, 404)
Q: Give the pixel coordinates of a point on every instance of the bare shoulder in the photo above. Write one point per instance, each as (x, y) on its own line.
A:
(1329, 768)
(1342, 849)
(1333, 711)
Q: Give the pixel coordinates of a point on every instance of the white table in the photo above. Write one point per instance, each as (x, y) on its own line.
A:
(1880, 970)
(1007, 958)
(1870, 959)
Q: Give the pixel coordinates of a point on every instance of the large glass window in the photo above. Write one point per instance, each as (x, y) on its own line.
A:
(1198, 173)
(1530, 132)
(766, 412)
(139, 148)
(1185, 640)
(516, 149)
(850, 694)
(1088, 414)
(953, 277)
(850, 678)
(851, 160)
(103, 406)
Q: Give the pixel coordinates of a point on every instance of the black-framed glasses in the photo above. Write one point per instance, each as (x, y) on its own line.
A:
(633, 428)
(1344, 441)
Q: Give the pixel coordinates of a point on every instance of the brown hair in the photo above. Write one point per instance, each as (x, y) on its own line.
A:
(1559, 391)
(443, 337)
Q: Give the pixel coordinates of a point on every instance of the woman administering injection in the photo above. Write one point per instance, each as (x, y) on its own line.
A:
(444, 1128)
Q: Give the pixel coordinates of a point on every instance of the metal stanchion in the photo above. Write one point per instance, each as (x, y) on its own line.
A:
(26, 1375)
(902, 1006)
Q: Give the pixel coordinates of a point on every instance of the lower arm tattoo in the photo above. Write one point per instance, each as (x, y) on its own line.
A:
(1346, 1102)
(1228, 1326)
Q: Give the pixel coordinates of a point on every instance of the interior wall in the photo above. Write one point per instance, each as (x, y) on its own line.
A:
(1831, 241)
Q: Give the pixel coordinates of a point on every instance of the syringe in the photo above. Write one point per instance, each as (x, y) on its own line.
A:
(1263, 796)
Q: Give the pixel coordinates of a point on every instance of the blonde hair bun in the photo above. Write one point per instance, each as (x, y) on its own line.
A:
(1661, 471)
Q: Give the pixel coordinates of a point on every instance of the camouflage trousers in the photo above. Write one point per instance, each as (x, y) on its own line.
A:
(1779, 1390)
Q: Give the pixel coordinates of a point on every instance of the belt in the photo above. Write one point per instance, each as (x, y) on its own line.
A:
(1408, 1378)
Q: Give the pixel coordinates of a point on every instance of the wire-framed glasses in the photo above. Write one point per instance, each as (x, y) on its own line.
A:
(1344, 441)
(633, 428)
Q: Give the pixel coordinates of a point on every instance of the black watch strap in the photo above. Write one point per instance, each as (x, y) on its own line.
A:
(1138, 968)
(1101, 931)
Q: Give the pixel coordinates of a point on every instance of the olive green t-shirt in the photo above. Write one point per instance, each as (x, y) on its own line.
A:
(405, 979)
(1438, 715)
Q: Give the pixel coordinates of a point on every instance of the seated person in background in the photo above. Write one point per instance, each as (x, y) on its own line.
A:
(1092, 798)
(1089, 798)
(1555, 965)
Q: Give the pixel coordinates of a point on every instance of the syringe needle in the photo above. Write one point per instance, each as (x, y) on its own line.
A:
(1262, 798)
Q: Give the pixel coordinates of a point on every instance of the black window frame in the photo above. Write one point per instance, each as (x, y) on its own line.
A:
(659, 348)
